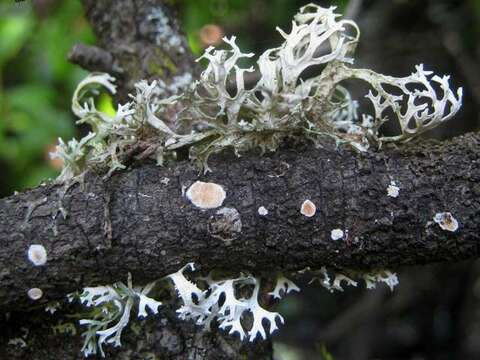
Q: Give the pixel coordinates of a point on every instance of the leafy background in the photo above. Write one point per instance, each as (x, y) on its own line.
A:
(426, 318)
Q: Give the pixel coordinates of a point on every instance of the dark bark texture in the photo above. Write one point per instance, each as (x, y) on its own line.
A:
(137, 223)
(136, 39)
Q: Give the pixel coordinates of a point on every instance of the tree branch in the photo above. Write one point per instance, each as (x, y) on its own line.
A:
(93, 58)
(140, 222)
(136, 40)
(162, 337)
(156, 230)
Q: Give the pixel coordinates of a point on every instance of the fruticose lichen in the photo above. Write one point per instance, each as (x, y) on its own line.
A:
(111, 308)
(221, 110)
(334, 280)
(233, 303)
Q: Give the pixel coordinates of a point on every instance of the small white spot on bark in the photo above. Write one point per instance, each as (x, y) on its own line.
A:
(206, 195)
(446, 221)
(163, 253)
(35, 293)
(308, 208)
(165, 181)
(393, 190)
(37, 255)
(336, 234)
(262, 211)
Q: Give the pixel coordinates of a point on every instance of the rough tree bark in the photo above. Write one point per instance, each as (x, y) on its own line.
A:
(137, 39)
(138, 221)
(155, 230)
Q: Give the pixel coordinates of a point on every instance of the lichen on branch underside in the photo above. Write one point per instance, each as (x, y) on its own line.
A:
(219, 110)
(230, 302)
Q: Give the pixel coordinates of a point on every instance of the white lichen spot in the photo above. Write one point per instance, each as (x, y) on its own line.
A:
(37, 255)
(206, 195)
(262, 211)
(446, 221)
(308, 208)
(393, 190)
(336, 234)
(163, 253)
(35, 293)
(165, 181)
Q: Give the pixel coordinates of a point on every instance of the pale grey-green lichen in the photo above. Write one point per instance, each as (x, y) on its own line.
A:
(111, 308)
(205, 299)
(221, 302)
(219, 110)
(334, 280)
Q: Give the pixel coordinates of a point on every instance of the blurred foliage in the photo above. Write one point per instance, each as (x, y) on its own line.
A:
(325, 354)
(36, 83)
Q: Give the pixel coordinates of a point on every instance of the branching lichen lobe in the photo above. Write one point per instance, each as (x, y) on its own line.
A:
(209, 119)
